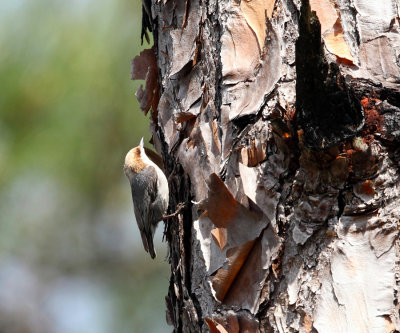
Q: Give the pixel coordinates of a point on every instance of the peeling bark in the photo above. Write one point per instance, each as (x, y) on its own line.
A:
(291, 186)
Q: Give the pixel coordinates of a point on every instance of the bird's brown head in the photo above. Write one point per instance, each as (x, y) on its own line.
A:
(133, 161)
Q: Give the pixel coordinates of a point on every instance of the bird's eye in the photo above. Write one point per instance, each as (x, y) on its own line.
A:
(137, 151)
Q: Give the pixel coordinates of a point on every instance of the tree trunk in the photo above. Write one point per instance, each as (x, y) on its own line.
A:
(279, 125)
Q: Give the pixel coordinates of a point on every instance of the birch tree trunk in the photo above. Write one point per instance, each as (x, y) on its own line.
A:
(279, 125)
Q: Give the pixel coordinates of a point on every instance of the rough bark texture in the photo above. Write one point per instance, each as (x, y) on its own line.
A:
(291, 188)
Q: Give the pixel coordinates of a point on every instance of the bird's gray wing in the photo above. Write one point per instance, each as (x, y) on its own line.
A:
(144, 194)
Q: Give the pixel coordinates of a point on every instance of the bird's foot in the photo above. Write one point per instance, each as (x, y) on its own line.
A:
(179, 207)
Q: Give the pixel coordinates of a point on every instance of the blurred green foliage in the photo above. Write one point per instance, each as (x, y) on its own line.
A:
(67, 105)
(68, 115)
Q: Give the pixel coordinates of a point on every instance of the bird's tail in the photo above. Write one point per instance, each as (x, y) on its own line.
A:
(151, 246)
(147, 239)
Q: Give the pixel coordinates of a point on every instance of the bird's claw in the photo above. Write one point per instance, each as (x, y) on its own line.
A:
(179, 207)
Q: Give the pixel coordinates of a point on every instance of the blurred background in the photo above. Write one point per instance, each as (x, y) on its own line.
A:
(71, 258)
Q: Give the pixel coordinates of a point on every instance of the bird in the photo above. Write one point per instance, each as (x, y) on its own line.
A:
(150, 192)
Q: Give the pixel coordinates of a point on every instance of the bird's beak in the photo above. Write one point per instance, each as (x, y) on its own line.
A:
(141, 142)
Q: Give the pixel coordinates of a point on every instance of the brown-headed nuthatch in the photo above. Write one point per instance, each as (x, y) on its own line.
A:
(150, 193)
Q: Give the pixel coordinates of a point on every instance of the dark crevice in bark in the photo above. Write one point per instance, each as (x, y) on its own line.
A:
(180, 189)
(174, 232)
(353, 12)
(326, 108)
(215, 23)
(171, 233)
(179, 236)
(341, 202)
(154, 24)
(242, 122)
(180, 192)
(187, 242)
